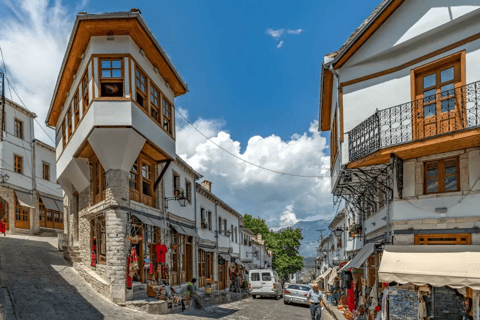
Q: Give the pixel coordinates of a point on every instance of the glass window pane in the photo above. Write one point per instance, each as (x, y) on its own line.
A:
(451, 183)
(432, 172)
(448, 105)
(429, 96)
(266, 277)
(432, 185)
(106, 64)
(429, 110)
(116, 73)
(447, 90)
(116, 64)
(429, 81)
(446, 75)
(106, 74)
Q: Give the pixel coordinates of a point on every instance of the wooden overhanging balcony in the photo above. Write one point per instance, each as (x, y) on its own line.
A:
(443, 122)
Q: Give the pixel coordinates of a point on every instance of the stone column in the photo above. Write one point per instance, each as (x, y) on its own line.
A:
(116, 194)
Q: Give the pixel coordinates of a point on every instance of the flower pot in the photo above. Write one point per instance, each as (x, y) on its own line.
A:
(135, 241)
(352, 234)
(173, 247)
(359, 231)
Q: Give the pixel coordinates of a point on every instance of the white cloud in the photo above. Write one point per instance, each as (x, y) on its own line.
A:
(280, 44)
(298, 31)
(288, 218)
(259, 192)
(33, 40)
(275, 33)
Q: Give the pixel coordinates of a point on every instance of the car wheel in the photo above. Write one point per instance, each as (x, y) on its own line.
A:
(285, 301)
(254, 296)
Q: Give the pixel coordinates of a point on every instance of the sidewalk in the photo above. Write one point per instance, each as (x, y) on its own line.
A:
(333, 311)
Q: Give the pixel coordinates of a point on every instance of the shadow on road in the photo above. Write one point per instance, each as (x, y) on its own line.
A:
(34, 279)
(211, 313)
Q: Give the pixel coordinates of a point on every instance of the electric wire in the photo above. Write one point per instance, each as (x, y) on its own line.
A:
(241, 159)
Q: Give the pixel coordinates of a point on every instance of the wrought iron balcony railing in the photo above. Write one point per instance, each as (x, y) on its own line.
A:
(448, 111)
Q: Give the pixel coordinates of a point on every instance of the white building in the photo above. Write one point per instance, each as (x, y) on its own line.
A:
(400, 98)
(262, 257)
(31, 200)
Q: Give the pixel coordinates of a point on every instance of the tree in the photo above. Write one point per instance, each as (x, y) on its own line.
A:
(284, 246)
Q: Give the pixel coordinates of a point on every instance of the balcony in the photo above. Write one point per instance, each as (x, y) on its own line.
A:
(436, 122)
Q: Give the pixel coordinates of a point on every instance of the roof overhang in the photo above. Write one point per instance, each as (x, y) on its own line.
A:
(325, 106)
(118, 23)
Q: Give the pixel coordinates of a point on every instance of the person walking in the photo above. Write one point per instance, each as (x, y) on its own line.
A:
(192, 292)
(315, 300)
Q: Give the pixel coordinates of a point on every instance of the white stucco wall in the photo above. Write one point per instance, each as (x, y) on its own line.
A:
(174, 207)
(45, 155)
(207, 205)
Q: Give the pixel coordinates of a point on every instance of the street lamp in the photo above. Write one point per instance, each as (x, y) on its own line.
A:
(4, 177)
(338, 232)
(180, 197)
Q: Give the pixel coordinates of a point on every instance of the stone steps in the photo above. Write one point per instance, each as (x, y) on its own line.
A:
(47, 233)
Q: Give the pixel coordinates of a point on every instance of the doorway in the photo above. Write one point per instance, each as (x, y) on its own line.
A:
(22, 216)
(4, 212)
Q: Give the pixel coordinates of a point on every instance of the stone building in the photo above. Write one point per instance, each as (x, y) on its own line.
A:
(400, 99)
(30, 200)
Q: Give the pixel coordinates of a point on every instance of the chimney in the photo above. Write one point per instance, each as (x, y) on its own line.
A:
(207, 185)
(259, 237)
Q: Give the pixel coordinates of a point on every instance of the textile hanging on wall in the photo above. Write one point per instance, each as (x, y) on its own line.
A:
(351, 297)
(129, 278)
(161, 250)
(94, 253)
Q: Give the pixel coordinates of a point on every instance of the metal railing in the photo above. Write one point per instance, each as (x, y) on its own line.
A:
(451, 110)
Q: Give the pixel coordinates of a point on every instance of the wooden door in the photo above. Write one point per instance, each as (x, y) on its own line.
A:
(189, 258)
(221, 276)
(49, 220)
(201, 268)
(4, 212)
(42, 215)
(58, 219)
(22, 216)
(438, 100)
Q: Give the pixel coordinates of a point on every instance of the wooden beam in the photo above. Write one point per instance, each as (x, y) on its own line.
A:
(327, 100)
(168, 161)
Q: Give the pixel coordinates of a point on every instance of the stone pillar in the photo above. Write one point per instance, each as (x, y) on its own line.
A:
(117, 194)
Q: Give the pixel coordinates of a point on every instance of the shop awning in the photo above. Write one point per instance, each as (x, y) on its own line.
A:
(456, 266)
(158, 223)
(51, 204)
(207, 249)
(333, 276)
(249, 266)
(143, 219)
(360, 258)
(26, 199)
(224, 256)
(189, 232)
(178, 228)
(324, 275)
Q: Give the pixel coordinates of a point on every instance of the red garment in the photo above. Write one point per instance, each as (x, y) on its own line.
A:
(351, 298)
(161, 250)
(164, 272)
(2, 227)
(151, 268)
(134, 255)
(129, 279)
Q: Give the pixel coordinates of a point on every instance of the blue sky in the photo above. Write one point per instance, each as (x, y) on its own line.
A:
(253, 92)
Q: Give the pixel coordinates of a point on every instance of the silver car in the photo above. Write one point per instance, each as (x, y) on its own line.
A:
(296, 293)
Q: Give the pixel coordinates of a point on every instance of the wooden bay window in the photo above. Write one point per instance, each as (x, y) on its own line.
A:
(167, 116)
(46, 171)
(98, 181)
(155, 103)
(64, 135)
(76, 109)
(111, 78)
(85, 95)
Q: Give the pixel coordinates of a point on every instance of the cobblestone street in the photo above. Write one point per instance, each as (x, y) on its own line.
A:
(37, 283)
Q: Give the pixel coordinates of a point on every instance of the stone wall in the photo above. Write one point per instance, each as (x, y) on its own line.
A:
(403, 304)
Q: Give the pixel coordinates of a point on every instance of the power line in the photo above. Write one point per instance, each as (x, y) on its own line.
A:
(250, 163)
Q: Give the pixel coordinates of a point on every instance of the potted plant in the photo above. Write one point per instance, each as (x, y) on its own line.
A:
(204, 224)
(339, 242)
(359, 229)
(135, 239)
(352, 232)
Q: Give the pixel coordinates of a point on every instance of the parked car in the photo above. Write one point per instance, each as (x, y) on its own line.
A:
(264, 283)
(296, 293)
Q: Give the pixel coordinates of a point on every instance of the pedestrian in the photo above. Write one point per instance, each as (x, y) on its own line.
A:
(192, 292)
(315, 300)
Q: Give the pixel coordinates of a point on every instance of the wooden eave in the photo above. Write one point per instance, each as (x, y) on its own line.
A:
(443, 143)
(88, 28)
(363, 35)
(326, 102)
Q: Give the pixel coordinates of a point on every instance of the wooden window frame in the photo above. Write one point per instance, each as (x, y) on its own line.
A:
(64, 134)
(138, 194)
(98, 181)
(203, 217)
(138, 89)
(18, 128)
(18, 163)
(176, 183)
(112, 80)
(76, 110)
(443, 239)
(225, 227)
(333, 142)
(68, 116)
(167, 120)
(440, 176)
(209, 219)
(219, 225)
(85, 92)
(46, 171)
(98, 226)
(21, 211)
(188, 190)
(155, 107)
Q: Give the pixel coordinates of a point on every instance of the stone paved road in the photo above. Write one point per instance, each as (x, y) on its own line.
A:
(38, 284)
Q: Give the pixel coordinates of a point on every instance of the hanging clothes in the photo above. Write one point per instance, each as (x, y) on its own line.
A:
(129, 278)
(422, 307)
(94, 253)
(351, 297)
(374, 297)
(161, 250)
(151, 268)
(384, 304)
(2, 226)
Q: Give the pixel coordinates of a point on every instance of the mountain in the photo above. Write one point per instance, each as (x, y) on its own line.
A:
(311, 235)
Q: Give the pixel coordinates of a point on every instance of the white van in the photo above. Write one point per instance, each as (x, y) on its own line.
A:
(264, 283)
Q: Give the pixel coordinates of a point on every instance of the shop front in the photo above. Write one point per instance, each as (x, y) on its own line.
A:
(23, 203)
(50, 213)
